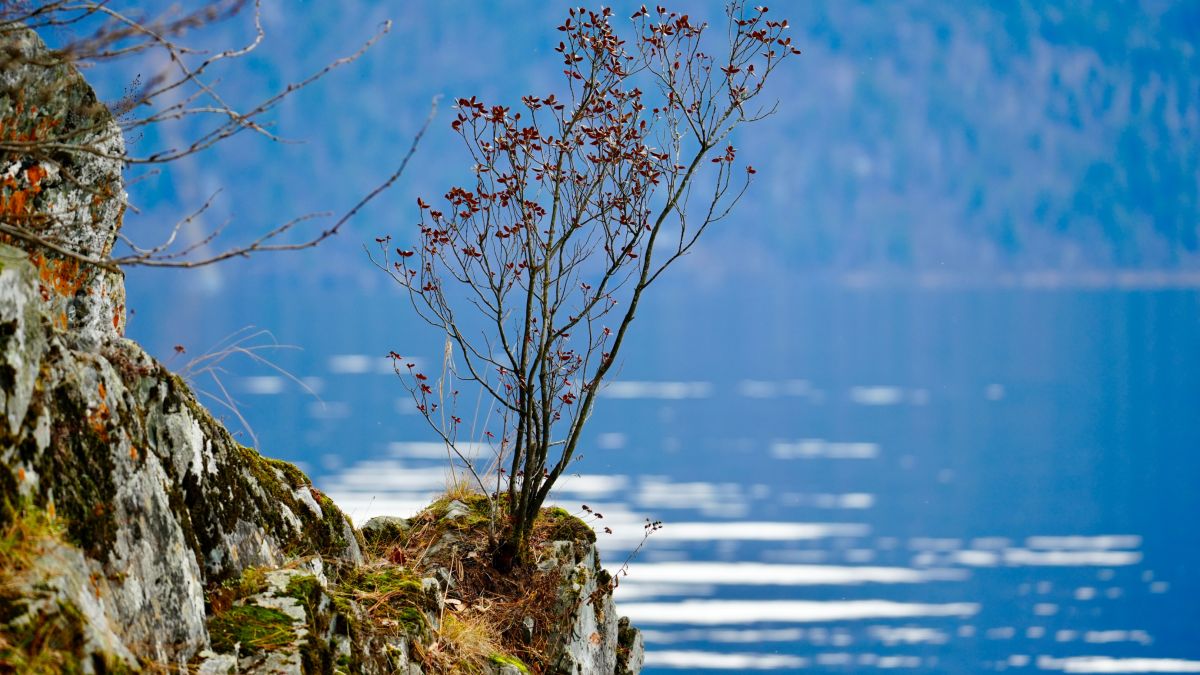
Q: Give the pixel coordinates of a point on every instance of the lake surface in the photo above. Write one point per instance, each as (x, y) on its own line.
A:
(922, 480)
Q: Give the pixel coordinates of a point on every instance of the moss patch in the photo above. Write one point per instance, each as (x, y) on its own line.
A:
(221, 598)
(256, 629)
(506, 660)
(305, 588)
(47, 644)
(391, 595)
(80, 459)
(562, 526)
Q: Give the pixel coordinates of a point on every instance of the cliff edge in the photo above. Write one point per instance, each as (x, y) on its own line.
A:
(136, 534)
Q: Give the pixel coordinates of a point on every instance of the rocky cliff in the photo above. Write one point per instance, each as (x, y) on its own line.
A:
(137, 535)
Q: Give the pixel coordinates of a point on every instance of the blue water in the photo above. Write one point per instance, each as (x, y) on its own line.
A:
(984, 472)
(929, 480)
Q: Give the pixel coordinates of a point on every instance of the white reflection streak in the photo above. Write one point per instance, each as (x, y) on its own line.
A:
(721, 612)
(630, 590)
(759, 574)
(379, 476)
(718, 661)
(352, 364)
(590, 485)
(1020, 556)
(262, 384)
(724, 635)
(429, 450)
(662, 390)
(894, 635)
(1079, 543)
(812, 448)
(745, 531)
(361, 507)
(1105, 664)
(876, 395)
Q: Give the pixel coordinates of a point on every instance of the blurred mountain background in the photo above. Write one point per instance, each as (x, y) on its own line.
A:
(959, 139)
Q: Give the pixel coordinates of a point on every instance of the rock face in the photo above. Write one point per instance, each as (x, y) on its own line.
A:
(594, 639)
(158, 501)
(135, 532)
(64, 189)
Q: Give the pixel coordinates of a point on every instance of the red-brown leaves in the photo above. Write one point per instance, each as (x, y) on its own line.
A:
(552, 231)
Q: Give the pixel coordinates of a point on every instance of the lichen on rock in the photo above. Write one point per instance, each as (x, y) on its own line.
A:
(64, 188)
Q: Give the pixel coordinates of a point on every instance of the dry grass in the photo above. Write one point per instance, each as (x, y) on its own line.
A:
(460, 486)
(248, 342)
(465, 643)
(24, 538)
(486, 610)
(48, 644)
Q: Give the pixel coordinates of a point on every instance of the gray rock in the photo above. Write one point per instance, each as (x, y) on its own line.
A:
(589, 642)
(216, 664)
(631, 648)
(22, 340)
(456, 510)
(77, 196)
(158, 499)
(384, 530)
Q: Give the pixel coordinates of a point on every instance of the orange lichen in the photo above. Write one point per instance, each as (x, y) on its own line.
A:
(63, 276)
(17, 199)
(133, 452)
(20, 474)
(35, 174)
(97, 418)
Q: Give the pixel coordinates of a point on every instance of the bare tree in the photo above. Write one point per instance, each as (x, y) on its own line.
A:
(39, 142)
(576, 205)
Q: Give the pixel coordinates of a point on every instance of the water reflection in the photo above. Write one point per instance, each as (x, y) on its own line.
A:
(705, 585)
(936, 491)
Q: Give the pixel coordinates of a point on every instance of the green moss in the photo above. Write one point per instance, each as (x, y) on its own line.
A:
(51, 643)
(222, 597)
(412, 619)
(333, 525)
(305, 588)
(626, 639)
(383, 534)
(316, 656)
(562, 526)
(21, 539)
(256, 629)
(389, 580)
(506, 660)
(80, 460)
(392, 593)
(479, 507)
(9, 503)
(292, 475)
